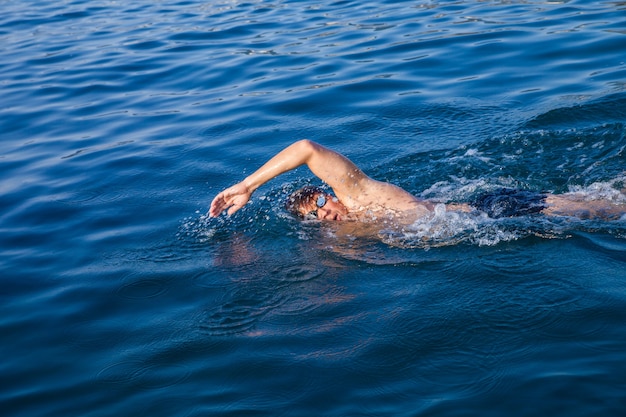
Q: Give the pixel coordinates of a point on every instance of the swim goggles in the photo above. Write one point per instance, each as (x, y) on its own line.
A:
(320, 202)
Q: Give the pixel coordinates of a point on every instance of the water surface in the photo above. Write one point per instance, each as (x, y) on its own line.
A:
(120, 122)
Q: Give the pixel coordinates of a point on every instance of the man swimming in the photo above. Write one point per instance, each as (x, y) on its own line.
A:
(361, 198)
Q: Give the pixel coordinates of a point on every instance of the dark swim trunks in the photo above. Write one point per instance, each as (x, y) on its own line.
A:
(508, 202)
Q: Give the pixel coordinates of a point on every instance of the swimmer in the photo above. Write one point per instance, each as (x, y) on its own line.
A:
(358, 197)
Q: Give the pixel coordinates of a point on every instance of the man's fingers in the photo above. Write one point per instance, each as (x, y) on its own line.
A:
(221, 203)
(232, 198)
(218, 205)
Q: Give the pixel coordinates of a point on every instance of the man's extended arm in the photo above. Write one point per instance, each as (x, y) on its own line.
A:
(336, 170)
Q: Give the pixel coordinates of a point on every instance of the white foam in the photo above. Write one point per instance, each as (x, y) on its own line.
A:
(445, 227)
(604, 190)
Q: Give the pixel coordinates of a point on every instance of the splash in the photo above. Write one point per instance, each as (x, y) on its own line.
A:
(445, 228)
(613, 190)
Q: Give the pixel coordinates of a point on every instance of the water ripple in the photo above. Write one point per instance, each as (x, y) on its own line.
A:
(240, 314)
(120, 120)
(121, 375)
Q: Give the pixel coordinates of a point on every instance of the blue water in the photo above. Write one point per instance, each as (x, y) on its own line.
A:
(120, 121)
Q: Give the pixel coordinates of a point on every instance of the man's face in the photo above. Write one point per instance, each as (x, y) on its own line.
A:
(324, 207)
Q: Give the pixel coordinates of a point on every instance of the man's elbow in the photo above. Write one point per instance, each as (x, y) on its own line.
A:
(306, 144)
(306, 148)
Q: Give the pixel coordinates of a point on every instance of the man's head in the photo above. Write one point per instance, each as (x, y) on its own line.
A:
(312, 202)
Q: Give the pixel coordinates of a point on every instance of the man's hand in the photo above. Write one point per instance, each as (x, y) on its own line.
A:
(232, 198)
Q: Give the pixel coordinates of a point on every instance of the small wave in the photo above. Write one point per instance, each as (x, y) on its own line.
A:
(607, 109)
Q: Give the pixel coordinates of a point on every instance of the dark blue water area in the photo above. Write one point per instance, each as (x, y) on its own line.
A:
(120, 121)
